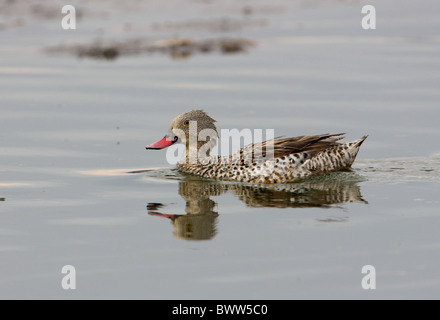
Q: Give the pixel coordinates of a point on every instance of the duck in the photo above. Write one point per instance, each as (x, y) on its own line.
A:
(276, 160)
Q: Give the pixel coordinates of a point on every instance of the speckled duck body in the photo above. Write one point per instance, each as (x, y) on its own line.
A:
(273, 161)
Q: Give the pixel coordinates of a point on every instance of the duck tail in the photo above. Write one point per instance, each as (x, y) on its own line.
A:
(353, 148)
(359, 142)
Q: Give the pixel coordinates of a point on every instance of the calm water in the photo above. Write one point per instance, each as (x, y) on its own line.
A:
(71, 130)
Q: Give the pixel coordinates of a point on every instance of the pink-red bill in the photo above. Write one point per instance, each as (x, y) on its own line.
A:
(162, 143)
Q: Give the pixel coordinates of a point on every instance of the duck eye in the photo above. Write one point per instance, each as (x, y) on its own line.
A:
(186, 123)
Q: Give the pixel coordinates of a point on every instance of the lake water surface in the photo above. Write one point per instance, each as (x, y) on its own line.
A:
(77, 186)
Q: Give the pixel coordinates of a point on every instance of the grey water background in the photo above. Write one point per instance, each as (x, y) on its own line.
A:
(71, 128)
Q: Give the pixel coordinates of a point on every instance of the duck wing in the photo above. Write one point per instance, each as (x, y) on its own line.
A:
(280, 147)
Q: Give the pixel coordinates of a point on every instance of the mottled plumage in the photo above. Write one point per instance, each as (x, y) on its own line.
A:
(273, 161)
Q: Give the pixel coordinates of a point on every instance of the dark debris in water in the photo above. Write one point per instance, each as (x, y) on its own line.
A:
(336, 219)
(214, 25)
(177, 48)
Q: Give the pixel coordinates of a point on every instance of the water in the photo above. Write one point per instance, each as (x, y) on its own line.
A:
(72, 130)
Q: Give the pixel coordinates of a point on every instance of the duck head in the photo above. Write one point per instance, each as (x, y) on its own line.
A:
(194, 129)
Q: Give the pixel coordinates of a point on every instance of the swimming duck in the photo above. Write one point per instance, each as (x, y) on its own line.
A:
(273, 161)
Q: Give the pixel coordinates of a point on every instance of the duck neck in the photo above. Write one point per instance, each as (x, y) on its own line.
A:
(196, 152)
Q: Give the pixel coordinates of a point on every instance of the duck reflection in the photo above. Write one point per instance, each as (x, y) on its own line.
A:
(200, 220)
